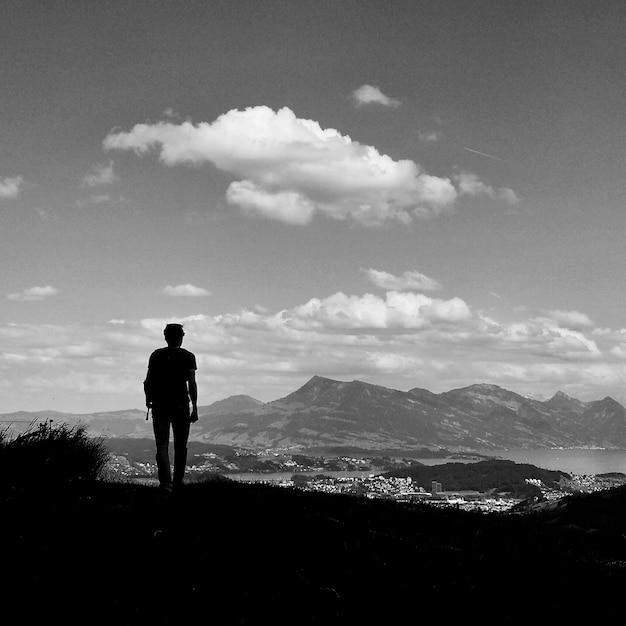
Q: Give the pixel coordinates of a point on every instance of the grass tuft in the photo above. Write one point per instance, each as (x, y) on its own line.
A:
(50, 454)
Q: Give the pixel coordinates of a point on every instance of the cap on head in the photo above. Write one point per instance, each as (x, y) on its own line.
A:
(174, 334)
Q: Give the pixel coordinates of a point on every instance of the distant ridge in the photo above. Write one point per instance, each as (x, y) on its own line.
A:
(233, 404)
(326, 413)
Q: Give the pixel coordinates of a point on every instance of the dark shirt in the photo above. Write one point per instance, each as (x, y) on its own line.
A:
(168, 373)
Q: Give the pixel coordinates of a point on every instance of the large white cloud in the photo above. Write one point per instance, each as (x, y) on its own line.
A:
(289, 168)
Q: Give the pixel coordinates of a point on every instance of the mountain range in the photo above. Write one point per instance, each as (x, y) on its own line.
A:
(326, 414)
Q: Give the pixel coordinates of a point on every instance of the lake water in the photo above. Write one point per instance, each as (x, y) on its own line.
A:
(279, 476)
(571, 460)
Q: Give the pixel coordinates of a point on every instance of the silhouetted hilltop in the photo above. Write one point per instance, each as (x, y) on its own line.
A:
(231, 553)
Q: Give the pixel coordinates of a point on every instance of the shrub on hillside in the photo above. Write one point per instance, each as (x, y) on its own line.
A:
(50, 453)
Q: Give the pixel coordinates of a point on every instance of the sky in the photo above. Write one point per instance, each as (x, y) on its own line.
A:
(413, 194)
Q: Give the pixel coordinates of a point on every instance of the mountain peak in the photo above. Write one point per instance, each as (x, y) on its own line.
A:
(320, 380)
(318, 383)
(607, 401)
(481, 389)
(561, 400)
(234, 404)
(312, 390)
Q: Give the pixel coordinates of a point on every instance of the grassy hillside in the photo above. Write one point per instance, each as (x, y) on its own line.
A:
(228, 552)
(221, 552)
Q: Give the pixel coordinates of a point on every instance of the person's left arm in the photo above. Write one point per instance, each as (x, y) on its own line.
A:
(147, 386)
(193, 395)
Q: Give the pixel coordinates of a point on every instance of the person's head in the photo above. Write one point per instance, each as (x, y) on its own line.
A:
(174, 334)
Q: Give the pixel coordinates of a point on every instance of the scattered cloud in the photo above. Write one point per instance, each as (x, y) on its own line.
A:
(411, 280)
(470, 185)
(10, 187)
(100, 174)
(33, 294)
(187, 290)
(290, 169)
(369, 94)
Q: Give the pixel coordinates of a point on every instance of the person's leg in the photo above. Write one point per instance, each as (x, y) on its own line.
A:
(180, 426)
(161, 426)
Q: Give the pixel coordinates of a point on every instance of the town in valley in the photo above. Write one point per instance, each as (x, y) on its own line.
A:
(360, 476)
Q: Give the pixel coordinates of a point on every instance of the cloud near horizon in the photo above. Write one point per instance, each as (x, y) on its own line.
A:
(399, 339)
(33, 294)
(290, 169)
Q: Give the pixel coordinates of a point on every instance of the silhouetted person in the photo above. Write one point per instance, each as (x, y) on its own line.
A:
(170, 384)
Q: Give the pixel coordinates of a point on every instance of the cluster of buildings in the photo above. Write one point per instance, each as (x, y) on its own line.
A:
(596, 482)
(402, 490)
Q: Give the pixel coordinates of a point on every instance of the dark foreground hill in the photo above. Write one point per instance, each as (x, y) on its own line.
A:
(229, 553)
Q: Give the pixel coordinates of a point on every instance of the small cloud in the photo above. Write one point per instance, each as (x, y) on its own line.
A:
(470, 185)
(100, 174)
(33, 294)
(10, 187)
(44, 214)
(100, 198)
(116, 322)
(368, 94)
(187, 290)
(431, 136)
(411, 280)
(171, 114)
